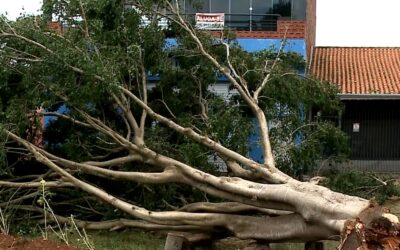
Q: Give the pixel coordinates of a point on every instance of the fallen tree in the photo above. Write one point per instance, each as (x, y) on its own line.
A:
(94, 77)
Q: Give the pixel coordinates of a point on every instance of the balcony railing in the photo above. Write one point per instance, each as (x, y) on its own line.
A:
(247, 22)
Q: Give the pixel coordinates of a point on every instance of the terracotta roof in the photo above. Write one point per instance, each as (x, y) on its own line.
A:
(358, 70)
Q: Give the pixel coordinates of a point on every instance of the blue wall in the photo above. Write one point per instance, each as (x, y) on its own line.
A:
(291, 45)
(255, 44)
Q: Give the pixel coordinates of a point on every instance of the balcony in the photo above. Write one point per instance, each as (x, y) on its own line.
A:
(247, 22)
(259, 25)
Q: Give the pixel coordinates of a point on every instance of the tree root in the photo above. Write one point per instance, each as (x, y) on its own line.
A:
(375, 228)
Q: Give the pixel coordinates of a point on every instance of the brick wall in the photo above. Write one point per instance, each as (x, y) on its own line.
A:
(286, 29)
(55, 26)
(292, 29)
(310, 27)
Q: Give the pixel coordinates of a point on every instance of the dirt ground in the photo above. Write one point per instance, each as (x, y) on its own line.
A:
(12, 243)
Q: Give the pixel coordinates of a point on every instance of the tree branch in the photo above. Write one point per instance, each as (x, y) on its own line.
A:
(270, 174)
(240, 86)
(229, 207)
(115, 161)
(66, 117)
(266, 78)
(50, 184)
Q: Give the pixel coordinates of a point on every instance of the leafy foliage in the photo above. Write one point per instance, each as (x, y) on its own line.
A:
(363, 184)
(81, 68)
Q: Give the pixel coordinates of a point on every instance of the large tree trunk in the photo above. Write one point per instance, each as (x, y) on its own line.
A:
(260, 202)
(294, 211)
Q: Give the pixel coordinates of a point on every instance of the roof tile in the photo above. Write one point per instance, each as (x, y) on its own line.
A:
(358, 70)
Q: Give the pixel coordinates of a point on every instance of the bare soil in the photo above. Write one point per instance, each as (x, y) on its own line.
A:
(8, 242)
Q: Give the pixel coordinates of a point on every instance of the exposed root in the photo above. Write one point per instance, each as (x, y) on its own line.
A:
(375, 228)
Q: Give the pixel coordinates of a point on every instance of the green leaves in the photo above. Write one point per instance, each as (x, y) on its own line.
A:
(82, 67)
(363, 184)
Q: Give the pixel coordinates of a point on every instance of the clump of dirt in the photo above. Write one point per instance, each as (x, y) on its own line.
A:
(12, 243)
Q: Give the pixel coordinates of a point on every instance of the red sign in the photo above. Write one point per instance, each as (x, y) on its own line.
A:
(210, 21)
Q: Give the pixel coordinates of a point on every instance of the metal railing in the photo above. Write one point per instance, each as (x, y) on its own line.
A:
(247, 22)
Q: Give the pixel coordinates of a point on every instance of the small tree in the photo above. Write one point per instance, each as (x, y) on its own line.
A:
(119, 127)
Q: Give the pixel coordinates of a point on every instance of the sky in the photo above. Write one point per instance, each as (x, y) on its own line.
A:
(15, 7)
(359, 23)
(367, 23)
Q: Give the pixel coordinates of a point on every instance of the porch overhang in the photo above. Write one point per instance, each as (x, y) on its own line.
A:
(369, 96)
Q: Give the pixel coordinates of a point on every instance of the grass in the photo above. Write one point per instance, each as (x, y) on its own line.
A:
(131, 239)
(125, 240)
(105, 240)
(139, 240)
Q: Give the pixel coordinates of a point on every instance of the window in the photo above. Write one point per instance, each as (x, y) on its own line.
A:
(299, 9)
(249, 14)
(282, 7)
(260, 20)
(239, 16)
(240, 7)
(262, 6)
(182, 6)
(220, 6)
(195, 6)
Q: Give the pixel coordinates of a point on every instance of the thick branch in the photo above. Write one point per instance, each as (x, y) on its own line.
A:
(238, 171)
(236, 197)
(330, 205)
(229, 207)
(66, 117)
(113, 225)
(50, 184)
(267, 77)
(98, 192)
(19, 199)
(169, 174)
(144, 96)
(116, 161)
(271, 174)
(128, 115)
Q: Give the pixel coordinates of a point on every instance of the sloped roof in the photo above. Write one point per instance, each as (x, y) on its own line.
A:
(358, 70)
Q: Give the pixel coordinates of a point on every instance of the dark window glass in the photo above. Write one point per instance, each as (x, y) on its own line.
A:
(262, 15)
(299, 9)
(262, 6)
(282, 7)
(240, 6)
(182, 6)
(220, 6)
(197, 6)
(259, 11)
(239, 17)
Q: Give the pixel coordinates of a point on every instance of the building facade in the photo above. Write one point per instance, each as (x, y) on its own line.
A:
(361, 55)
(255, 18)
(258, 25)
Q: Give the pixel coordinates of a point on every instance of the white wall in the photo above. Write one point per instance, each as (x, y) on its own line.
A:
(358, 23)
